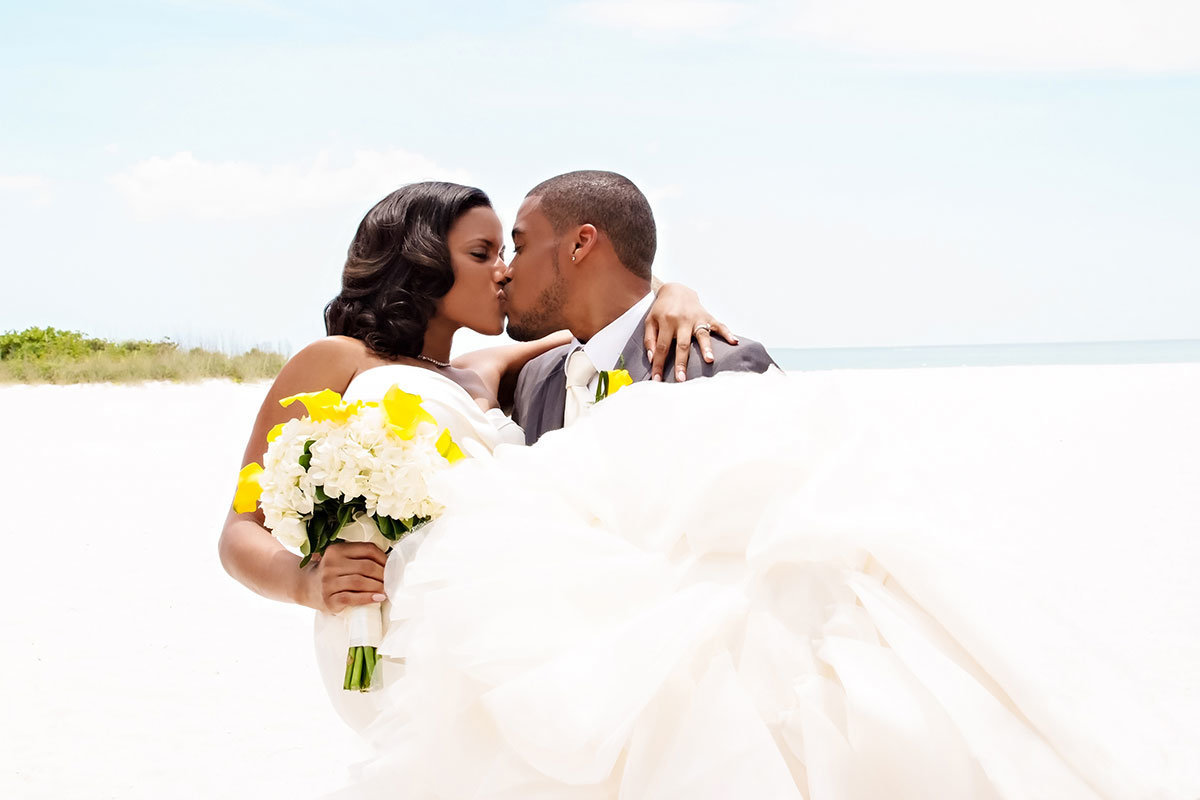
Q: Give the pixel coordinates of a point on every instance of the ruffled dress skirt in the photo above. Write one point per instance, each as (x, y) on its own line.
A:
(966, 583)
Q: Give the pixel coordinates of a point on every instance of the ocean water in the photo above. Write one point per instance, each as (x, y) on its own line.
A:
(988, 355)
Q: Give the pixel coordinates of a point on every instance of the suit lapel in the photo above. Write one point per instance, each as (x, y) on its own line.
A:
(553, 397)
(634, 354)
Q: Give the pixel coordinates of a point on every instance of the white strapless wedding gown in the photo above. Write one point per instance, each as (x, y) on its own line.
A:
(835, 586)
(478, 433)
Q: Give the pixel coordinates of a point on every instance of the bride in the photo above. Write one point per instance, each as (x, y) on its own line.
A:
(949, 591)
(426, 260)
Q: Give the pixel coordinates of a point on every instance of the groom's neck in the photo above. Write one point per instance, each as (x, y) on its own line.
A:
(596, 306)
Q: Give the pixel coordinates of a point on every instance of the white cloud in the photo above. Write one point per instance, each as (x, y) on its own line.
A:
(1145, 36)
(1022, 35)
(183, 185)
(659, 16)
(33, 188)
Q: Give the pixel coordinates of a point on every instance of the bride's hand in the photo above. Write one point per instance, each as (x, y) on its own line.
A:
(348, 574)
(674, 317)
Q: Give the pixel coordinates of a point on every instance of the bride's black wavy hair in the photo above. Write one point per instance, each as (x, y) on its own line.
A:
(398, 266)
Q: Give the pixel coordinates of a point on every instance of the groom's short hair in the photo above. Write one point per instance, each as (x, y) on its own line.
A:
(609, 201)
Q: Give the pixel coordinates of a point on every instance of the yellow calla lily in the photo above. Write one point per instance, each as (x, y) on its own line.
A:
(314, 401)
(404, 412)
(324, 405)
(273, 434)
(449, 450)
(618, 379)
(249, 488)
(344, 411)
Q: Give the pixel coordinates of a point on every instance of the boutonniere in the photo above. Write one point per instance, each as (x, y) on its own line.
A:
(612, 380)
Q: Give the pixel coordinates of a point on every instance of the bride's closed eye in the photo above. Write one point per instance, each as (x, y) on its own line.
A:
(484, 255)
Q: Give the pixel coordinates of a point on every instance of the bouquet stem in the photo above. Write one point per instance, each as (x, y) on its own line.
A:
(360, 668)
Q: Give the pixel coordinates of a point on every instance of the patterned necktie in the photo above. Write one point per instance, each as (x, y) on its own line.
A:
(580, 372)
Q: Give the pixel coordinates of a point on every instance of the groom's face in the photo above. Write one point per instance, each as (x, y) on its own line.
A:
(536, 291)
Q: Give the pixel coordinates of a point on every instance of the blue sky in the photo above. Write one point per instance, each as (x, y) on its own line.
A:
(826, 174)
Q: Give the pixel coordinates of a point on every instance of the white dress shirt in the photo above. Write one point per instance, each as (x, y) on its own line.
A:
(606, 346)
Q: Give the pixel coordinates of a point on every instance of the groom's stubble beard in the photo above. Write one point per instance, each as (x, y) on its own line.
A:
(543, 318)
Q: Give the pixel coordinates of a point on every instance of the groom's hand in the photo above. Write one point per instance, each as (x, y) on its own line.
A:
(349, 574)
(677, 316)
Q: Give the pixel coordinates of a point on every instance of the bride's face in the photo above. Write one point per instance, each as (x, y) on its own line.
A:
(476, 248)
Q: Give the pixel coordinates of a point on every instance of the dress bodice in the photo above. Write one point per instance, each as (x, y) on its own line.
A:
(473, 428)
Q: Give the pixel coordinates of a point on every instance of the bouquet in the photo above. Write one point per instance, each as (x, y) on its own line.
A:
(355, 472)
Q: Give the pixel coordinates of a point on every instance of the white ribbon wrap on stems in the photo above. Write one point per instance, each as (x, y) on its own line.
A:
(364, 624)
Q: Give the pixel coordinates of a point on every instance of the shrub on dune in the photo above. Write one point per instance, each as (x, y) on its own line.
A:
(50, 355)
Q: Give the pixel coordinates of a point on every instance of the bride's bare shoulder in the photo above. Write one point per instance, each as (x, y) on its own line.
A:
(330, 362)
(337, 349)
(343, 347)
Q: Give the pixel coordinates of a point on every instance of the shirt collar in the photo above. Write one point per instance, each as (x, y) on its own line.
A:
(606, 346)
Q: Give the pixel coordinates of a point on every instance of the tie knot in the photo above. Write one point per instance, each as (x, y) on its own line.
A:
(580, 369)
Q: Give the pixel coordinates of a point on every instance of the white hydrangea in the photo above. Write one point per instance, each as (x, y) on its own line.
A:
(291, 531)
(359, 458)
(288, 493)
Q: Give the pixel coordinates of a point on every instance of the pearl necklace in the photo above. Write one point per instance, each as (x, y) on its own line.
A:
(442, 364)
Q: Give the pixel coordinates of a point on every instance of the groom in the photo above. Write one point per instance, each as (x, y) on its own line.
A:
(584, 244)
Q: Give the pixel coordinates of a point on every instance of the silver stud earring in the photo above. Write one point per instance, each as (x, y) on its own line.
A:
(572, 258)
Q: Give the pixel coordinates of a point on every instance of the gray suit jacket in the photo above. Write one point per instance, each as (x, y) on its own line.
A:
(542, 385)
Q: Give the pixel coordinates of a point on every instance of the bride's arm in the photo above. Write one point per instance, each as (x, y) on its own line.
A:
(349, 574)
(673, 318)
(498, 367)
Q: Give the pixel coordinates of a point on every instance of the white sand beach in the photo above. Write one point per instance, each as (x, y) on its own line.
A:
(136, 668)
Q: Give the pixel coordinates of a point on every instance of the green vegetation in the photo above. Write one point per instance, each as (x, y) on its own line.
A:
(48, 355)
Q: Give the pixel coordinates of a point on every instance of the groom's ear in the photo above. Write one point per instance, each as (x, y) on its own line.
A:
(585, 240)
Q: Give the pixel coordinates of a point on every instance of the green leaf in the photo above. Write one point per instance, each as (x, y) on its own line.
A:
(304, 561)
(306, 458)
(319, 493)
(386, 526)
(337, 524)
(316, 534)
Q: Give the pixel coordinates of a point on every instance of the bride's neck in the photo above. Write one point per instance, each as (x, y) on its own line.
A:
(439, 335)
